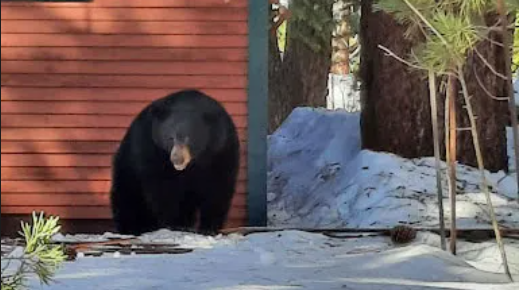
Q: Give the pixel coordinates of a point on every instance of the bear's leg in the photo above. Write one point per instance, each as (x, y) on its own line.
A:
(174, 208)
(215, 207)
(187, 213)
(130, 213)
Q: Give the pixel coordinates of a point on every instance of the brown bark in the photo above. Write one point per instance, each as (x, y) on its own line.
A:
(492, 115)
(395, 108)
(395, 103)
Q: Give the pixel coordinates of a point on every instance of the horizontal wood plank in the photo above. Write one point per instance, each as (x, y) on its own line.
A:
(125, 68)
(55, 199)
(94, 108)
(65, 121)
(64, 212)
(76, 199)
(75, 147)
(133, 3)
(68, 160)
(124, 14)
(118, 81)
(79, 121)
(109, 94)
(90, 40)
(56, 173)
(124, 54)
(89, 212)
(34, 147)
(124, 27)
(91, 186)
(69, 173)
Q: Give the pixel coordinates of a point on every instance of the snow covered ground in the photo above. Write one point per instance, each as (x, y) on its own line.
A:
(291, 260)
(326, 180)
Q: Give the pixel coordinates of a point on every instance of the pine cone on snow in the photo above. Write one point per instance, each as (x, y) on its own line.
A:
(402, 234)
(71, 253)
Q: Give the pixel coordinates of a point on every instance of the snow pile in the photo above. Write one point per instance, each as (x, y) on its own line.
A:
(319, 177)
(285, 260)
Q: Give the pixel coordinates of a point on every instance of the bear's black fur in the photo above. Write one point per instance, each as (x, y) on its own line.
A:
(149, 193)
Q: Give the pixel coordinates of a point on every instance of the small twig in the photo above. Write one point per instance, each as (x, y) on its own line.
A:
(490, 67)
(393, 55)
(484, 88)
(492, 41)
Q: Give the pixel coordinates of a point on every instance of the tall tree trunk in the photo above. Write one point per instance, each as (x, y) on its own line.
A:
(396, 112)
(492, 115)
(300, 78)
(395, 103)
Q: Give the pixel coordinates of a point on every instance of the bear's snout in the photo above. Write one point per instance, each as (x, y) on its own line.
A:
(180, 157)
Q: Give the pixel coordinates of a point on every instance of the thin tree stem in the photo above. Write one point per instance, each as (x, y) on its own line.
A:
(481, 166)
(452, 92)
(436, 139)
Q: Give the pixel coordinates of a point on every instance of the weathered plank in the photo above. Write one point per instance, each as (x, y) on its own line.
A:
(125, 27)
(124, 54)
(68, 173)
(125, 68)
(94, 108)
(118, 81)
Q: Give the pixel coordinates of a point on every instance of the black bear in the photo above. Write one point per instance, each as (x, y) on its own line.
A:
(179, 157)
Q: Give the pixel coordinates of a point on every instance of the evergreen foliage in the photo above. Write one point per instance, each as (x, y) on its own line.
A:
(38, 257)
(451, 28)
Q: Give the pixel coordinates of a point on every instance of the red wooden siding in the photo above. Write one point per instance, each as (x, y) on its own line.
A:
(73, 75)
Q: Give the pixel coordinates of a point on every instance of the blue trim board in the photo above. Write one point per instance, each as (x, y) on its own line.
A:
(257, 108)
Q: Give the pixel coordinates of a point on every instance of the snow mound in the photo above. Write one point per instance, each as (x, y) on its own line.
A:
(307, 163)
(319, 177)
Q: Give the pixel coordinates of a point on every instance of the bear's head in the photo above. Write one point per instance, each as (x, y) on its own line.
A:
(186, 134)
